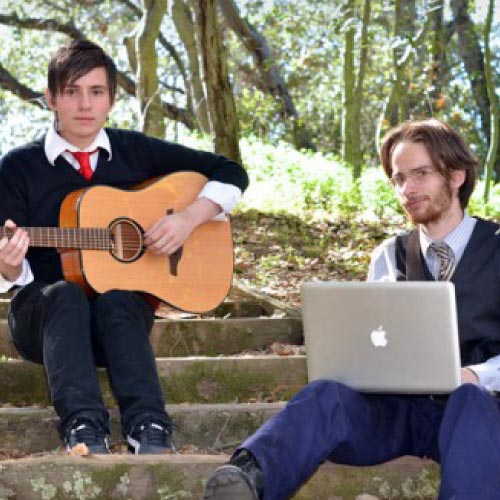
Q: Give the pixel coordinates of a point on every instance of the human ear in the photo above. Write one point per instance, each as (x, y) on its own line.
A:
(50, 100)
(457, 178)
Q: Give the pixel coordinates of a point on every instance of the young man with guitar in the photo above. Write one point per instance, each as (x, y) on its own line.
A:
(52, 321)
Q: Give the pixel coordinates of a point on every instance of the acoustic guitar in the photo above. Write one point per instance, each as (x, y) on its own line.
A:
(101, 242)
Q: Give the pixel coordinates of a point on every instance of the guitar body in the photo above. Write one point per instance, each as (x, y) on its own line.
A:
(195, 278)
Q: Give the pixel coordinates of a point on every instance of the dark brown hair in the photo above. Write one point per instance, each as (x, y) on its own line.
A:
(446, 148)
(75, 60)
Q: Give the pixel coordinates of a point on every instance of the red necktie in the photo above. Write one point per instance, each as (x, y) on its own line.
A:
(83, 158)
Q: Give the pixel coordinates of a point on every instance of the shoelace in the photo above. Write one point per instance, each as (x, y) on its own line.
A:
(87, 433)
(154, 434)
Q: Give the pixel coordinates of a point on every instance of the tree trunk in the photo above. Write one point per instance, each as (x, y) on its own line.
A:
(494, 111)
(182, 17)
(358, 93)
(151, 113)
(404, 14)
(348, 138)
(271, 79)
(436, 49)
(220, 100)
(472, 56)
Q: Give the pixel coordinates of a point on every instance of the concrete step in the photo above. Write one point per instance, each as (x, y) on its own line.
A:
(243, 308)
(182, 476)
(208, 337)
(184, 380)
(207, 426)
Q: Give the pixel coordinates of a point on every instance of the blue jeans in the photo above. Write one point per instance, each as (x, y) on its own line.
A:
(58, 326)
(328, 421)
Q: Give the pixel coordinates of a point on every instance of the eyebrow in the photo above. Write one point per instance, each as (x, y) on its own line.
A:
(74, 86)
(417, 168)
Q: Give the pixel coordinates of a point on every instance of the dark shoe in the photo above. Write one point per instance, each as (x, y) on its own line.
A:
(240, 479)
(150, 437)
(89, 432)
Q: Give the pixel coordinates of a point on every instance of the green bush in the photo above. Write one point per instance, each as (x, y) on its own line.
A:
(315, 185)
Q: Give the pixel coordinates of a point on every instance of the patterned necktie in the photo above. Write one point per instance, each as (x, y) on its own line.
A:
(446, 262)
(83, 158)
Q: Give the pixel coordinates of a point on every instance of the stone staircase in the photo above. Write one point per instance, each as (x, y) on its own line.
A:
(222, 382)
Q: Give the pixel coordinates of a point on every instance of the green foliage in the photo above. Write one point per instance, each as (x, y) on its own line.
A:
(320, 186)
(306, 43)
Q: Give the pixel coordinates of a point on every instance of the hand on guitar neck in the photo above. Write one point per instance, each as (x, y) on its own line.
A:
(13, 250)
(170, 232)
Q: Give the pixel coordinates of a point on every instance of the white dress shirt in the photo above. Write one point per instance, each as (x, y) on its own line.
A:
(222, 194)
(383, 268)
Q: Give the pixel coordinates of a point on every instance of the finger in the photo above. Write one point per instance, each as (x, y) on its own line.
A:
(161, 225)
(161, 233)
(15, 238)
(10, 224)
(3, 243)
(155, 227)
(159, 244)
(16, 247)
(173, 246)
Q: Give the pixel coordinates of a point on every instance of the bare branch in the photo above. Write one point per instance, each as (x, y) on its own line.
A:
(8, 82)
(163, 41)
(134, 8)
(256, 44)
(179, 114)
(89, 3)
(43, 25)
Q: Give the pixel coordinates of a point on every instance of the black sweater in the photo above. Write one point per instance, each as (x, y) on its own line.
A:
(32, 190)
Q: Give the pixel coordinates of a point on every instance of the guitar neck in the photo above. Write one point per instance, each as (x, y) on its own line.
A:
(55, 237)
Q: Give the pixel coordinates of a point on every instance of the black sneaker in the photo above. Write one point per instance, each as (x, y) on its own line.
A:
(149, 437)
(240, 479)
(87, 431)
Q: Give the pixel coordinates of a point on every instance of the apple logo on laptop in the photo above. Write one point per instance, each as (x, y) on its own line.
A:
(378, 337)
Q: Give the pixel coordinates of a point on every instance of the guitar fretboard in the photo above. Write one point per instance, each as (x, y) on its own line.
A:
(55, 237)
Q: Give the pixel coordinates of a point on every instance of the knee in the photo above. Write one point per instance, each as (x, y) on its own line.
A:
(468, 392)
(327, 392)
(117, 306)
(117, 301)
(66, 294)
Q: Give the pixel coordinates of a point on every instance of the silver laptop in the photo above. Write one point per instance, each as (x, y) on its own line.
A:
(382, 337)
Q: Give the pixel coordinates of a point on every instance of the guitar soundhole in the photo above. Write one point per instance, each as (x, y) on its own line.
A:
(128, 244)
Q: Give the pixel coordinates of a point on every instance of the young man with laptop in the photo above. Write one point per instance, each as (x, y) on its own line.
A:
(433, 173)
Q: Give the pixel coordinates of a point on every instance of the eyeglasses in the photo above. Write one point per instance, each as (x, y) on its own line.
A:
(417, 175)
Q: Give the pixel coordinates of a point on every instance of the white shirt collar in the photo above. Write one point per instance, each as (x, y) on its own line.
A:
(456, 239)
(55, 145)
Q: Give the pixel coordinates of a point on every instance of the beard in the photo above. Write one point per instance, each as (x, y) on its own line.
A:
(435, 205)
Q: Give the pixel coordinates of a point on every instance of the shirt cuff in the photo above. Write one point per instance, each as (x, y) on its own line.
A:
(224, 195)
(25, 278)
(488, 373)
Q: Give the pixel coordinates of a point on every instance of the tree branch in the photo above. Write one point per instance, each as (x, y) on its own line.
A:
(43, 25)
(256, 44)
(8, 82)
(163, 41)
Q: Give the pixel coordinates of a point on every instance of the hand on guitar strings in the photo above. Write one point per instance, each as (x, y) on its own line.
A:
(169, 233)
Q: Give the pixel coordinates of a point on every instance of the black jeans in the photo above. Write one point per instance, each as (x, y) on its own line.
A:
(58, 326)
